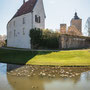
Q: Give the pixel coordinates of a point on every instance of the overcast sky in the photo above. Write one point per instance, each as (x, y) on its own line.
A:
(57, 12)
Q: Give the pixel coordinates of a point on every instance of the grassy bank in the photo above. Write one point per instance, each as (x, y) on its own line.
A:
(18, 56)
(62, 58)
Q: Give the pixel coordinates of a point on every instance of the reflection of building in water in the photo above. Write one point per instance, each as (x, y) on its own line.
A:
(25, 83)
(75, 27)
(35, 77)
(85, 76)
(38, 83)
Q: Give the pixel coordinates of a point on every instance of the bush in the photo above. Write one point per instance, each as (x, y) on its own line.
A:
(36, 37)
(2, 43)
(44, 39)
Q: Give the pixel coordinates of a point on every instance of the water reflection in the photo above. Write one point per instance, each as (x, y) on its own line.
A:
(4, 85)
(45, 78)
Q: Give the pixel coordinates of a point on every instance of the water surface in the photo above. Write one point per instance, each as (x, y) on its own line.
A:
(44, 78)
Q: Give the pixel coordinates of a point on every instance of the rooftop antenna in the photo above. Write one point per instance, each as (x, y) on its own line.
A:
(75, 10)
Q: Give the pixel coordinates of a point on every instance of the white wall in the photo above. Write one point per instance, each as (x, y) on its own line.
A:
(39, 10)
(20, 40)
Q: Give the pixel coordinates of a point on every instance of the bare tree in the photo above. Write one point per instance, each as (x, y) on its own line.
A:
(2, 40)
(87, 27)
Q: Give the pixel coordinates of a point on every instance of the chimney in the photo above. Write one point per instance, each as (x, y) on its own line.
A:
(23, 1)
(63, 28)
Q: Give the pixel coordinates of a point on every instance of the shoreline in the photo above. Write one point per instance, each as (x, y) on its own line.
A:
(46, 71)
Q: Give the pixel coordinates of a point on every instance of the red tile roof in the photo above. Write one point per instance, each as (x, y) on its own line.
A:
(26, 8)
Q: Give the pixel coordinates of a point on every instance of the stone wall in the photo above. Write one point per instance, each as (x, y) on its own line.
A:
(73, 42)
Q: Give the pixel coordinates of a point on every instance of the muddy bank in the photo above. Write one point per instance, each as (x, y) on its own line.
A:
(45, 71)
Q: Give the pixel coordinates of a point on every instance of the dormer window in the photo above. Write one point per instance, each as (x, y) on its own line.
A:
(24, 20)
(37, 19)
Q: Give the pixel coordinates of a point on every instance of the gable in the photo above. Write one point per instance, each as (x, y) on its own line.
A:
(26, 8)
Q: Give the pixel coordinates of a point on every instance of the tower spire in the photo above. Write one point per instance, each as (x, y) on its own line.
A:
(76, 16)
(23, 1)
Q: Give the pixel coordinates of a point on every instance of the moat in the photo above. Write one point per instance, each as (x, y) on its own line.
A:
(18, 77)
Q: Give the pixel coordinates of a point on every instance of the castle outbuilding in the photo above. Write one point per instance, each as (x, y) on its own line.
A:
(63, 28)
(75, 27)
(77, 22)
(30, 15)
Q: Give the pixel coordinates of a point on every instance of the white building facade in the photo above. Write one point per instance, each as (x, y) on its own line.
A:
(30, 15)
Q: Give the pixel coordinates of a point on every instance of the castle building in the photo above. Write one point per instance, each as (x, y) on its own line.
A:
(77, 22)
(75, 27)
(30, 15)
(72, 30)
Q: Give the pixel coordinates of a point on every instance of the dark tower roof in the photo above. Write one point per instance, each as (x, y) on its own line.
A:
(26, 8)
(76, 16)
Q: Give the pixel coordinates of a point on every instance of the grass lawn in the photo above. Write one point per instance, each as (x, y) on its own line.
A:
(62, 58)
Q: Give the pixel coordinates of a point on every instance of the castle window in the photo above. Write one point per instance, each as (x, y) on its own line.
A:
(37, 19)
(23, 31)
(23, 20)
(14, 33)
(14, 23)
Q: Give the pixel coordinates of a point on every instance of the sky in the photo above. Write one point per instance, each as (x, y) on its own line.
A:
(57, 12)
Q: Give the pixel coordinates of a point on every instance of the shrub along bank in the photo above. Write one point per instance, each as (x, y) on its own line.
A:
(44, 39)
